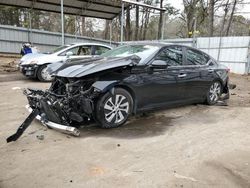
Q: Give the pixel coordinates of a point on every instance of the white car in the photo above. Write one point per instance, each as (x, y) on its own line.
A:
(35, 65)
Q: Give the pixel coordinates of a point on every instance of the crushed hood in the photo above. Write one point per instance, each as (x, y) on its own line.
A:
(79, 68)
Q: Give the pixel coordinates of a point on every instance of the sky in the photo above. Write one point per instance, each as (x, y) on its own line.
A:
(176, 3)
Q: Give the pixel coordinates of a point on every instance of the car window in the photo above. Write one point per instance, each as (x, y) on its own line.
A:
(60, 48)
(171, 55)
(195, 57)
(78, 51)
(74, 50)
(143, 51)
(84, 50)
(100, 50)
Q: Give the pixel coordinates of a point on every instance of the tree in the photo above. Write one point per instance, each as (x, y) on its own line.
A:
(106, 30)
(189, 13)
(211, 18)
(160, 21)
(83, 26)
(224, 18)
(128, 28)
(136, 22)
(231, 17)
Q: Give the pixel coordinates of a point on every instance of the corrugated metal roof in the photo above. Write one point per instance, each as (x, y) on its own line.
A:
(104, 9)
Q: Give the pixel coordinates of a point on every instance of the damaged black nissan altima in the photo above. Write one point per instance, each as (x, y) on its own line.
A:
(124, 81)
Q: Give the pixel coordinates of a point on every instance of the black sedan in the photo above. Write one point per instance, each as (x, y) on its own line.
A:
(127, 80)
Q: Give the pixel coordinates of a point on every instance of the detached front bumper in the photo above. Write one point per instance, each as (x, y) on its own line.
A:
(37, 108)
(62, 128)
(29, 70)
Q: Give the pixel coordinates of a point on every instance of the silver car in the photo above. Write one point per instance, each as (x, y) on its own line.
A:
(35, 65)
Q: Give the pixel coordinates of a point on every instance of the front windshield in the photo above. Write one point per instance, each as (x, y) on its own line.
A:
(59, 48)
(143, 51)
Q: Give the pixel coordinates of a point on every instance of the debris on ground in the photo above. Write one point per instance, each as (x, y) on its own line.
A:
(185, 177)
(232, 86)
(221, 103)
(40, 137)
(16, 88)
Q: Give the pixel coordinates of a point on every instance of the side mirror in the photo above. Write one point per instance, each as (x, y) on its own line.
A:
(159, 64)
(68, 54)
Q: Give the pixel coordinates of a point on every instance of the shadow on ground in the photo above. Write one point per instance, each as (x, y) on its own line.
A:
(146, 125)
(14, 76)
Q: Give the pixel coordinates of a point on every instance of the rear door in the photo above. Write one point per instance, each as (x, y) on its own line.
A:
(198, 76)
(98, 50)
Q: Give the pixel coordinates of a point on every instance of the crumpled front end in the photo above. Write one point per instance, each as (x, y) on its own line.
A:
(64, 106)
(69, 102)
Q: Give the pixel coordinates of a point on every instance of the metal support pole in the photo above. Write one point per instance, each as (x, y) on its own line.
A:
(110, 32)
(247, 71)
(30, 29)
(219, 48)
(62, 22)
(194, 33)
(122, 22)
(163, 26)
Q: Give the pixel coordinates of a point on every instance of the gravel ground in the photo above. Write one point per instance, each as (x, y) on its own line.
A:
(191, 146)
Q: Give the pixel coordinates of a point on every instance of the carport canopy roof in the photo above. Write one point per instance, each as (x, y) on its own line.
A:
(104, 9)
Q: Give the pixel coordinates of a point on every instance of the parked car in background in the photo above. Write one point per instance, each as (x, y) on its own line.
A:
(124, 81)
(35, 65)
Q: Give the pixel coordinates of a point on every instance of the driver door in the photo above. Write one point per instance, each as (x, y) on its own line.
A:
(160, 85)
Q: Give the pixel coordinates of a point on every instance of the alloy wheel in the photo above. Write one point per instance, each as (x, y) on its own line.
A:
(116, 108)
(45, 75)
(215, 92)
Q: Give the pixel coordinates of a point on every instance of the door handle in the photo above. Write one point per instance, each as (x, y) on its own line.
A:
(182, 75)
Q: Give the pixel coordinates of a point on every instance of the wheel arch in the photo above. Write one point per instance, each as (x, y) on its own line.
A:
(38, 70)
(107, 86)
(132, 93)
(39, 66)
(221, 82)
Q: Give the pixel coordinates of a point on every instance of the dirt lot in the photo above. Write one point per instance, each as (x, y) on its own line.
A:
(8, 63)
(192, 146)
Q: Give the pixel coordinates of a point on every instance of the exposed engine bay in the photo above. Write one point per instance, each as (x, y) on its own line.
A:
(67, 102)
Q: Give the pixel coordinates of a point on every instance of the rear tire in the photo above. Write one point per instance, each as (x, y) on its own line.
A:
(43, 75)
(214, 93)
(113, 110)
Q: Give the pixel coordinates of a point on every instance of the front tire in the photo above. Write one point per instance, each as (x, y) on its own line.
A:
(113, 110)
(214, 93)
(43, 75)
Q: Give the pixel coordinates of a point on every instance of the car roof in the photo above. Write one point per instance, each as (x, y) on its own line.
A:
(160, 44)
(89, 43)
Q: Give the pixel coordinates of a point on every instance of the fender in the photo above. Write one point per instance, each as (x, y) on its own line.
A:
(104, 86)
